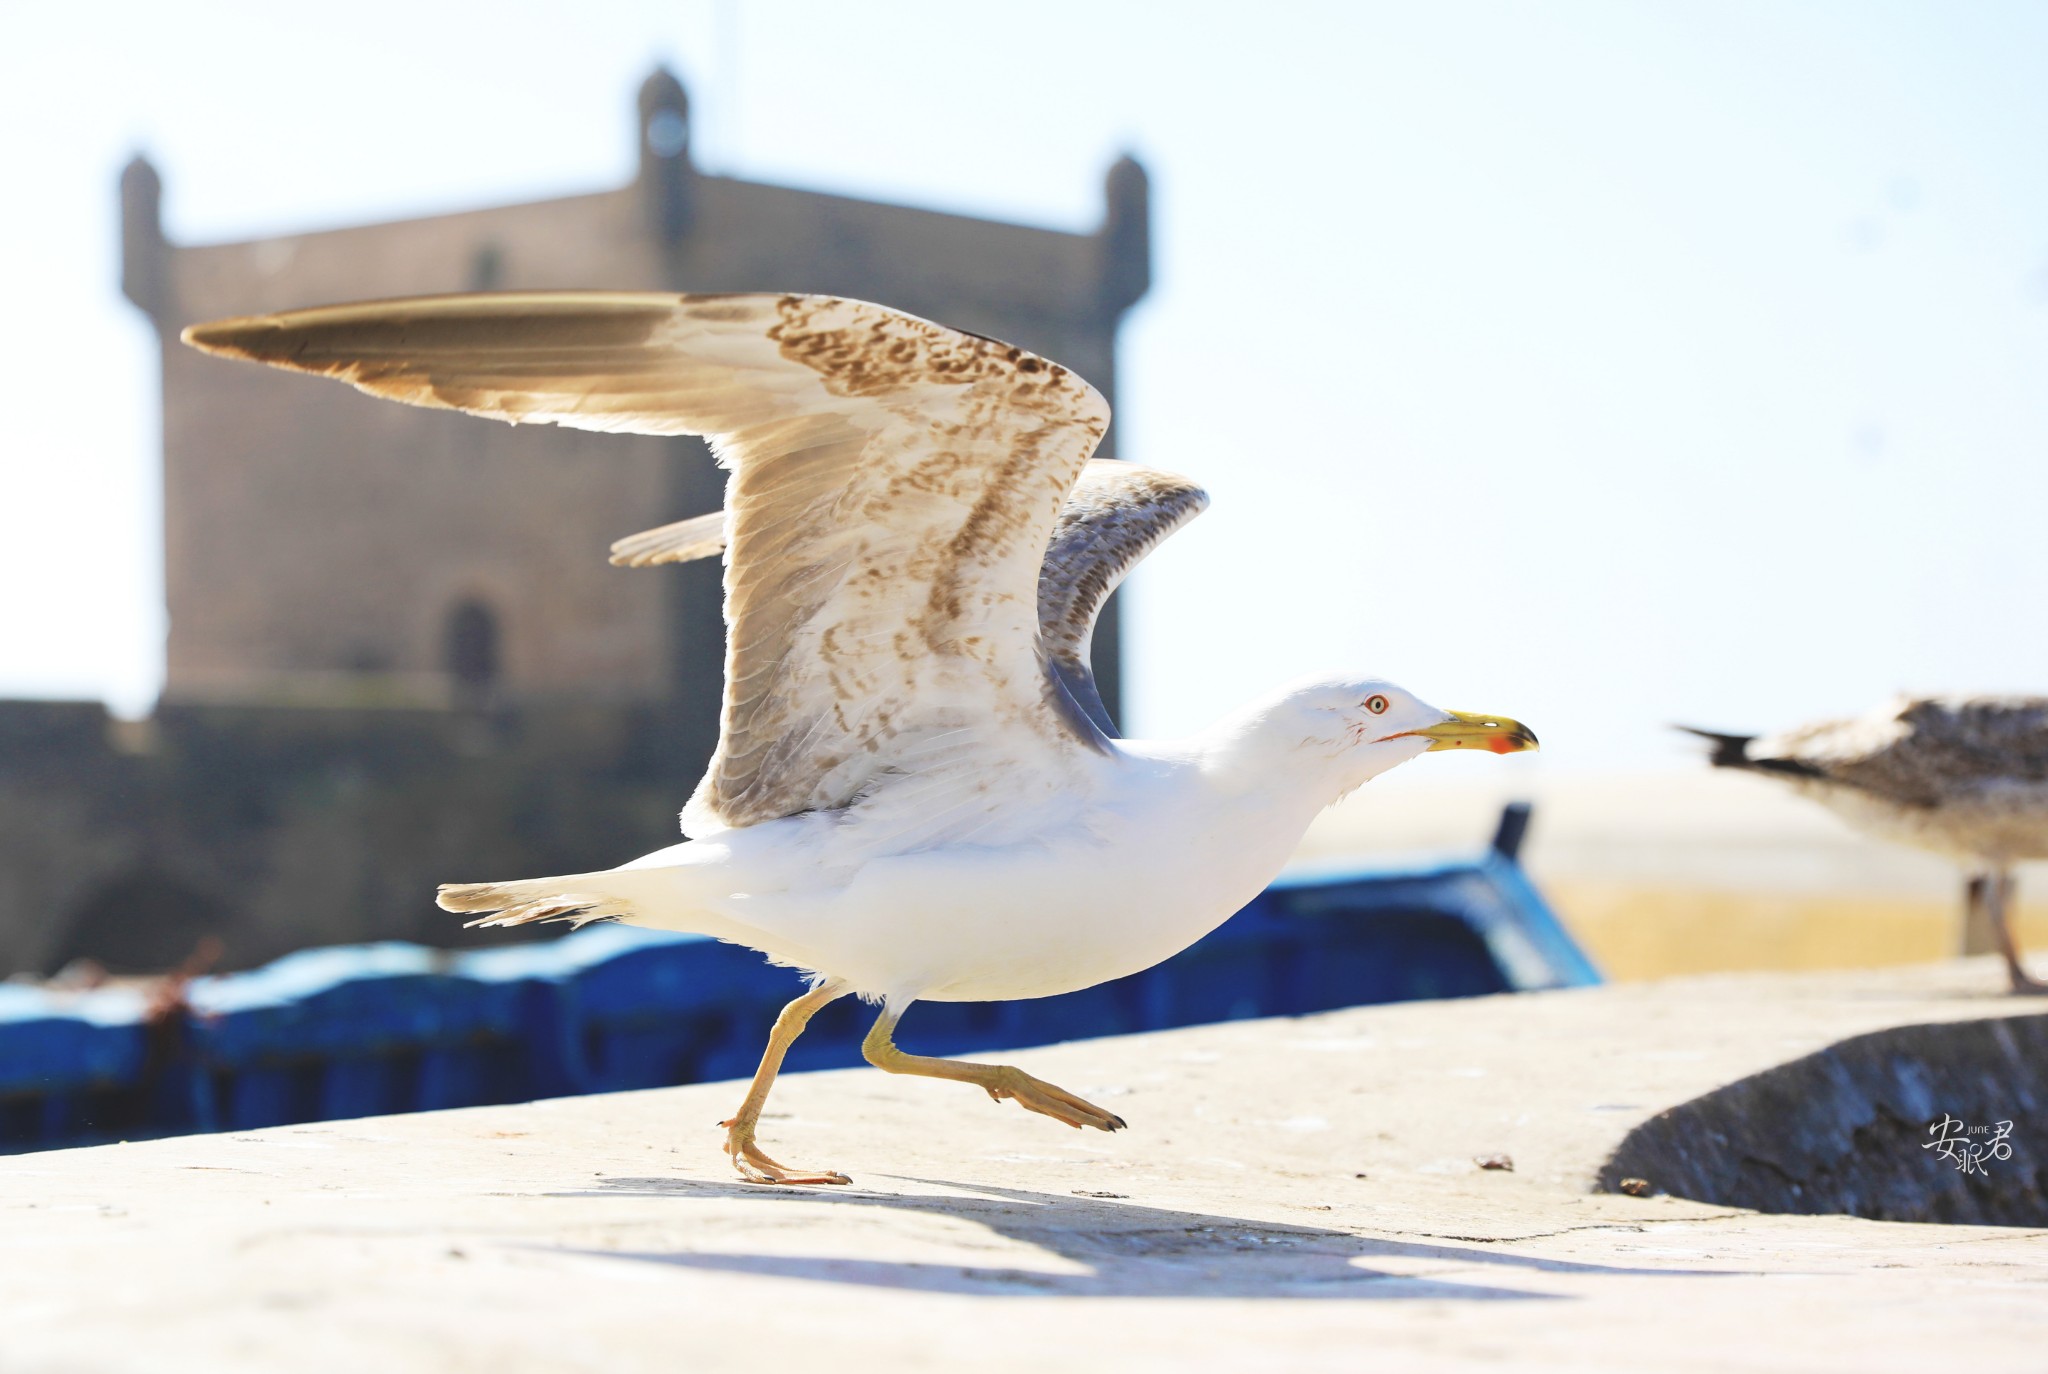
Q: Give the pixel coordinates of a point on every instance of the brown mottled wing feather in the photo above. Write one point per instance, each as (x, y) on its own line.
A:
(1924, 751)
(895, 483)
(701, 536)
(1115, 515)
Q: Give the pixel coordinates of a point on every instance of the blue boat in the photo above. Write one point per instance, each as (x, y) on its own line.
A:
(365, 1030)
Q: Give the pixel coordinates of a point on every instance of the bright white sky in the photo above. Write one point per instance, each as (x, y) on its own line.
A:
(1605, 364)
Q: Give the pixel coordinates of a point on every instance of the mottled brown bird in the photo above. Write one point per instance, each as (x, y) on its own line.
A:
(1965, 777)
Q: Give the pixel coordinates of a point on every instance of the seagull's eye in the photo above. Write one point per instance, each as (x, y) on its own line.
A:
(1376, 704)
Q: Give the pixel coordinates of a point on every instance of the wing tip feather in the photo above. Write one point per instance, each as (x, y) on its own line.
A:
(230, 338)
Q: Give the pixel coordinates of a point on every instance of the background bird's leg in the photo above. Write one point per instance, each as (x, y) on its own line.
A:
(754, 1166)
(1977, 934)
(998, 1080)
(1998, 893)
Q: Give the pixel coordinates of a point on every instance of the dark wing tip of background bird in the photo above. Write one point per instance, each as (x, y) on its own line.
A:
(1730, 751)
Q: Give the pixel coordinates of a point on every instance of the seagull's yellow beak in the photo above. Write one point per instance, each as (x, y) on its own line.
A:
(1469, 730)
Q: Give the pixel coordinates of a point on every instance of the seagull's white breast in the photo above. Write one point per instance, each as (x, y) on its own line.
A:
(1153, 862)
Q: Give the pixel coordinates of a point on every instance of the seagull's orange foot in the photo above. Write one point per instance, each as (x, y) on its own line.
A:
(1037, 1095)
(756, 1167)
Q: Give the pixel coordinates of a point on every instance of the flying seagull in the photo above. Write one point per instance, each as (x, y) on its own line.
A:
(916, 792)
(1966, 777)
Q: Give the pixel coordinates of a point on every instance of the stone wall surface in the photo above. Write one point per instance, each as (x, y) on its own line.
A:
(278, 828)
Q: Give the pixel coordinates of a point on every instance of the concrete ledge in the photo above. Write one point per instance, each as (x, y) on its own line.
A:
(1293, 1194)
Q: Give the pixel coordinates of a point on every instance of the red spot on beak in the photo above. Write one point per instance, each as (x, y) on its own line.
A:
(1500, 744)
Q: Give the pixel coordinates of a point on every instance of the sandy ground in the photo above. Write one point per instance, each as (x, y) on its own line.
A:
(1685, 871)
(1297, 1194)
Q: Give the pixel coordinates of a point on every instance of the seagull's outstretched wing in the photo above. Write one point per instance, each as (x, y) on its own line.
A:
(895, 484)
(1115, 515)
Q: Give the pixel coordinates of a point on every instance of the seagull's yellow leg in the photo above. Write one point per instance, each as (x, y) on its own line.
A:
(1998, 900)
(754, 1166)
(999, 1081)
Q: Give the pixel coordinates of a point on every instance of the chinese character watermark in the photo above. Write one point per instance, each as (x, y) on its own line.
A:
(1968, 1147)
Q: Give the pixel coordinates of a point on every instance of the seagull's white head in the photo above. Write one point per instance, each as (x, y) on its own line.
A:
(1347, 731)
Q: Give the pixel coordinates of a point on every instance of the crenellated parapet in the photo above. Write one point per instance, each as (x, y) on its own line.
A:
(1126, 235)
(145, 255)
(668, 179)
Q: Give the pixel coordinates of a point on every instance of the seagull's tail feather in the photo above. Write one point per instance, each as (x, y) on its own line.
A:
(666, 896)
(1729, 751)
(1732, 751)
(577, 897)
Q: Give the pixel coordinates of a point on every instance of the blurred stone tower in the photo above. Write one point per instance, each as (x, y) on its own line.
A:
(325, 548)
(397, 655)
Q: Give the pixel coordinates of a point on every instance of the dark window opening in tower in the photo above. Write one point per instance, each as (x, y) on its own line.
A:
(470, 648)
(487, 268)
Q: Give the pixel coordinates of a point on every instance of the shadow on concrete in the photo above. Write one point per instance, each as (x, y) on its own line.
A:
(1111, 1249)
